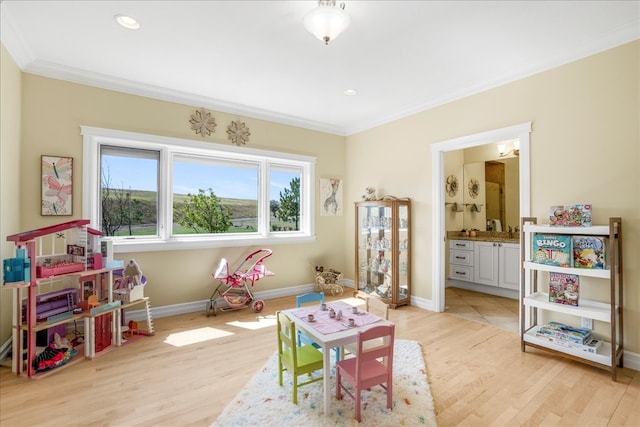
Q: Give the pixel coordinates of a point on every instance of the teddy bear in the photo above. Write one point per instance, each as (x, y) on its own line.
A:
(369, 194)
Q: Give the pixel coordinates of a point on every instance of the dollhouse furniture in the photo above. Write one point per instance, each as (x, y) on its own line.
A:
(60, 258)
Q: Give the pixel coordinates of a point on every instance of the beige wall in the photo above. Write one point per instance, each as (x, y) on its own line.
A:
(58, 110)
(10, 120)
(584, 148)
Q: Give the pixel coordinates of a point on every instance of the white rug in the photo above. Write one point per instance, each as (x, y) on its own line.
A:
(264, 403)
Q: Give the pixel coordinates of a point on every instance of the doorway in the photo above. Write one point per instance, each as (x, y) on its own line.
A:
(519, 132)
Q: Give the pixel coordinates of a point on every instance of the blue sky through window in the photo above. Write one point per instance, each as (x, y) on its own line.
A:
(228, 182)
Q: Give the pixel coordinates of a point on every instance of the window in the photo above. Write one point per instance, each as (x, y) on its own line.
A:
(128, 191)
(150, 193)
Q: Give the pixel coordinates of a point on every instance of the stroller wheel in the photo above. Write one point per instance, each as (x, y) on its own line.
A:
(337, 290)
(257, 306)
(210, 309)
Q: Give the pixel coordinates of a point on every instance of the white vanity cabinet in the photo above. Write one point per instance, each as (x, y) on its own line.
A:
(509, 262)
(461, 260)
(497, 264)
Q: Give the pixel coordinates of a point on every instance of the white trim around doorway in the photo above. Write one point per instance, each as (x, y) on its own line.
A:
(519, 132)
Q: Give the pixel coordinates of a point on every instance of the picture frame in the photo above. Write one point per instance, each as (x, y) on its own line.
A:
(57, 185)
(331, 203)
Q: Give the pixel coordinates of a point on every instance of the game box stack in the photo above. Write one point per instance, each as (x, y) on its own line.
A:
(568, 336)
(564, 288)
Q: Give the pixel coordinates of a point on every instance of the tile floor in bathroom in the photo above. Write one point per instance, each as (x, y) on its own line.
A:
(498, 311)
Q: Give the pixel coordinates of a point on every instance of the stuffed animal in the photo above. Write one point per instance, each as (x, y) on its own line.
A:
(369, 194)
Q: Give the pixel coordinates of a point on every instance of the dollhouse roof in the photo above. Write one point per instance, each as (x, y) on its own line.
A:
(25, 236)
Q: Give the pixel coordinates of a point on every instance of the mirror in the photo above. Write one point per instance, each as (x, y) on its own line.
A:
(491, 195)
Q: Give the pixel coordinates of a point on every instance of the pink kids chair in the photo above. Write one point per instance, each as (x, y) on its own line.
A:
(369, 367)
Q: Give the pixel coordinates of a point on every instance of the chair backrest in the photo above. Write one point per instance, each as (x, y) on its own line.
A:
(286, 337)
(385, 333)
(317, 297)
(92, 301)
(378, 307)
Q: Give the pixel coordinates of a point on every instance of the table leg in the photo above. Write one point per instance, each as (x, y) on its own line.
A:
(327, 379)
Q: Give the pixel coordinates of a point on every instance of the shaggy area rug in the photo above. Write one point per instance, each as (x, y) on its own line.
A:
(263, 402)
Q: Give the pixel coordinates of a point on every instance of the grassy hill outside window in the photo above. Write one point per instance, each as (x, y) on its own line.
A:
(156, 193)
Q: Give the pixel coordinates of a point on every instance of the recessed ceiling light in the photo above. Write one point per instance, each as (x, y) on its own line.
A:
(350, 92)
(127, 22)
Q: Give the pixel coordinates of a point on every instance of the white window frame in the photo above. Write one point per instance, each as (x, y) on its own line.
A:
(94, 138)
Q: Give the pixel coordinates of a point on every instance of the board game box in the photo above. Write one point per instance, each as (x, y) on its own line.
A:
(565, 332)
(591, 346)
(589, 252)
(552, 249)
(564, 288)
(570, 215)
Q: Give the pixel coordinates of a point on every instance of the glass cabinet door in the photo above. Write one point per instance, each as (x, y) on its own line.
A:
(382, 250)
(404, 270)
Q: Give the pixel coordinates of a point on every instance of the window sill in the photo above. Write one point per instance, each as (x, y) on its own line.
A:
(155, 245)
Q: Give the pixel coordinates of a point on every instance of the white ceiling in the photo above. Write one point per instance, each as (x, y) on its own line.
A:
(254, 58)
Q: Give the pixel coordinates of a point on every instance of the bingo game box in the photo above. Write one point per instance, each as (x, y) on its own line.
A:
(552, 249)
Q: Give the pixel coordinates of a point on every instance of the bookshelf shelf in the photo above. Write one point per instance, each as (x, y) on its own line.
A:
(535, 304)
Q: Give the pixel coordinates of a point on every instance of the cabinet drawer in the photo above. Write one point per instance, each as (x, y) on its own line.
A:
(460, 257)
(465, 245)
(461, 272)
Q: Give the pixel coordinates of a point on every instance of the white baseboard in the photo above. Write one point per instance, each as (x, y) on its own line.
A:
(631, 360)
(195, 306)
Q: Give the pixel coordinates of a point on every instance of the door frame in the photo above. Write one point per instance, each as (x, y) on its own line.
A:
(520, 132)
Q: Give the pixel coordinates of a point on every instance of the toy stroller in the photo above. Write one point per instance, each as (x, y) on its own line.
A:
(233, 291)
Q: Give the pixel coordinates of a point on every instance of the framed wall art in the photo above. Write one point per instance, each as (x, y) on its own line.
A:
(57, 185)
(331, 197)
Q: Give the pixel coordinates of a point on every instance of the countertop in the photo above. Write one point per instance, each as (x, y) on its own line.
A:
(486, 236)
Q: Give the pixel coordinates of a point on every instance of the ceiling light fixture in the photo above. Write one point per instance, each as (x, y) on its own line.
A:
(127, 22)
(350, 92)
(327, 21)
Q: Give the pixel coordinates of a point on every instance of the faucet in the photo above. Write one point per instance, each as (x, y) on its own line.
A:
(510, 232)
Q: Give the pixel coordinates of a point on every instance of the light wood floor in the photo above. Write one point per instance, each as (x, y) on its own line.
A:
(477, 374)
(485, 308)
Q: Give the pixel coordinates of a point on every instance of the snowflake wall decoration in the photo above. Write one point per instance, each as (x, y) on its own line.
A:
(238, 133)
(203, 123)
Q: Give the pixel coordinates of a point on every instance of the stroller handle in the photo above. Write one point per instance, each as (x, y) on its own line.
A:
(268, 252)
